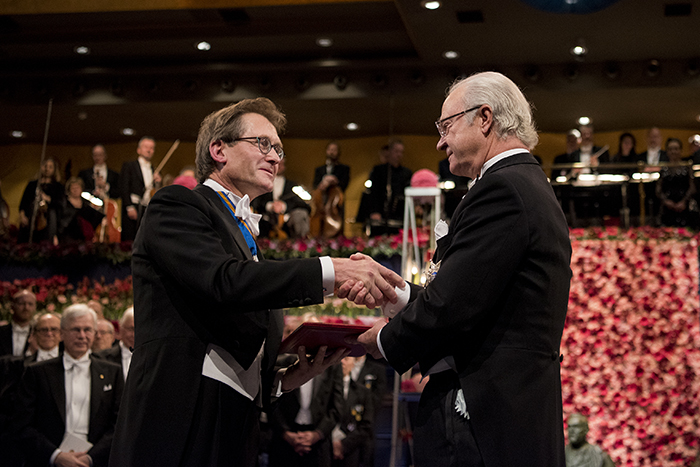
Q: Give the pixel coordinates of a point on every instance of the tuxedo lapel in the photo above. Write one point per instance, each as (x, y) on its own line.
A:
(57, 381)
(97, 382)
(231, 223)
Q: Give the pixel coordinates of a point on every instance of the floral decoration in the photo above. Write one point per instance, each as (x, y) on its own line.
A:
(56, 293)
(631, 345)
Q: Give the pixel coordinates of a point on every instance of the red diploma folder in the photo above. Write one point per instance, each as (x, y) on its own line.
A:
(314, 335)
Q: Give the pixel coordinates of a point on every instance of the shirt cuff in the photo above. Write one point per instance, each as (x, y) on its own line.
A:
(379, 345)
(328, 275)
(392, 309)
(53, 457)
(277, 383)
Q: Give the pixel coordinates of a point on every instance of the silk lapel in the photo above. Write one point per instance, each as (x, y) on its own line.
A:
(57, 380)
(97, 383)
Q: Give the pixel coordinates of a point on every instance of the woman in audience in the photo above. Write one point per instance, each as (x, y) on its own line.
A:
(626, 152)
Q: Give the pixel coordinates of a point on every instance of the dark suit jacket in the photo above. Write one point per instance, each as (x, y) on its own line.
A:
(6, 340)
(341, 171)
(87, 176)
(642, 157)
(194, 284)
(400, 178)
(498, 305)
(356, 421)
(40, 421)
(130, 182)
(112, 354)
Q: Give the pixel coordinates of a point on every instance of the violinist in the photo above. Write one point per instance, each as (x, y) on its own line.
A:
(48, 201)
(79, 217)
(328, 207)
(137, 179)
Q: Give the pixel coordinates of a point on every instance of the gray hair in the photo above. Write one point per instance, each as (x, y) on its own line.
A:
(512, 113)
(76, 311)
(226, 125)
(127, 313)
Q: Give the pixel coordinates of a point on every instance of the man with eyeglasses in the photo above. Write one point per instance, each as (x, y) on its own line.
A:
(104, 335)
(47, 336)
(206, 304)
(487, 325)
(67, 406)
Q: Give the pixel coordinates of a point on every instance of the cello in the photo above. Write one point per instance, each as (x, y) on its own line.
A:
(327, 212)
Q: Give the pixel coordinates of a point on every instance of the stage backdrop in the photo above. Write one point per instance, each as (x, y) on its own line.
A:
(631, 346)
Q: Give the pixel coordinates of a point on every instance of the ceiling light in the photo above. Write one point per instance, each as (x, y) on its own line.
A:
(430, 4)
(203, 45)
(82, 50)
(584, 121)
(17, 134)
(127, 131)
(450, 54)
(324, 42)
(352, 126)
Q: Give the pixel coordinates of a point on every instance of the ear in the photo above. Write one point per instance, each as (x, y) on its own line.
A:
(216, 150)
(486, 116)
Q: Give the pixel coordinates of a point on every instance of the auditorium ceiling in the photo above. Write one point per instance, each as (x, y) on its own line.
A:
(382, 66)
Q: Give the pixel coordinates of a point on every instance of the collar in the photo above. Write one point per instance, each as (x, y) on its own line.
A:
(83, 362)
(100, 167)
(243, 211)
(143, 162)
(17, 329)
(126, 351)
(42, 355)
(505, 154)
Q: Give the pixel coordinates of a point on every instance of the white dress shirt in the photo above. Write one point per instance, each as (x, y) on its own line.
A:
(19, 338)
(126, 358)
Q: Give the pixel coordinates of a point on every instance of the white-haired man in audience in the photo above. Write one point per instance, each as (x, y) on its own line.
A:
(104, 335)
(121, 353)
(67, 406)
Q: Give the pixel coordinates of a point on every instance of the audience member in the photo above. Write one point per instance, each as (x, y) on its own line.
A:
(354, 429)
(96, 306)
(50, 198)
(186, 178)
(100, 180)
(79, 218)
(47, 334)
(579, 452)
(675, 190)
(284, 213)
(386, 195)
(371, 374)
(14, 336)
(104, 335)
(136, 182)
(121, 353)
(86, 390)
(303, 420)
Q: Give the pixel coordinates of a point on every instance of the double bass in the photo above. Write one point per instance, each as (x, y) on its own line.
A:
(327, 212)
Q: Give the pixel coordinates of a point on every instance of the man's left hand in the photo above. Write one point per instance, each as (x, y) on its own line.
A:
(304, 369)
(369, 339)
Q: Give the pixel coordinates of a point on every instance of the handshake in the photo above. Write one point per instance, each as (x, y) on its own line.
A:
(364, 281)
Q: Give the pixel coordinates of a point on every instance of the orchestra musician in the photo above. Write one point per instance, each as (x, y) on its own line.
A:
(47, 199)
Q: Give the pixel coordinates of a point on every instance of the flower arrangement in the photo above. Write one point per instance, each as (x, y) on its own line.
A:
(56, 293)
(631, 346)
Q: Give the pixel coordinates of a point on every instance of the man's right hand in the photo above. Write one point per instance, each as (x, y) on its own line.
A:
(72, 459)
(377, 282)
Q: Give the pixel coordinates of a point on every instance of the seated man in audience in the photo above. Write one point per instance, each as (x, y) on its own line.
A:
(354, 430)
(121, 353)
(67, 406)
(104, 335)
(97, 308)
(579, 452)
(46, 331)
(14, 336)
(284, 213)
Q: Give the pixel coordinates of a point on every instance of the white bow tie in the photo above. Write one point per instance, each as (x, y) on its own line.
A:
(71, 363)
(244, 213)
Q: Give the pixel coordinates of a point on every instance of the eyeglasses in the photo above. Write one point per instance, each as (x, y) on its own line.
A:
(442, 125)
(264, 144)
(100, 332)
(87, 331)
(47, 330)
